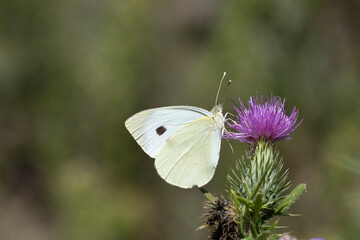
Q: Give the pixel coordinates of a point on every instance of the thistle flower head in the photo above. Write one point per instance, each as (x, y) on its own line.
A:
(220, 220)
(262, 121)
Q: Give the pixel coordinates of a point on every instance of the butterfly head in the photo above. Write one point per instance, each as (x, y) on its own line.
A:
(216, 109)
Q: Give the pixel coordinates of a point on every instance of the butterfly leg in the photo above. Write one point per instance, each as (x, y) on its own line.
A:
(231, 147)
(229, 114)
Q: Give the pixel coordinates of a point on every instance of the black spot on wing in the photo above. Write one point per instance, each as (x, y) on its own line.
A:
(160, 130)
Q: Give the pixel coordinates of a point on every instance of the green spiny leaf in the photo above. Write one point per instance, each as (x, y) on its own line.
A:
(239, 200)
(291, 198)
(271, 227)
(253, 230)
(263, 235)
(257, 208)
(274, 236)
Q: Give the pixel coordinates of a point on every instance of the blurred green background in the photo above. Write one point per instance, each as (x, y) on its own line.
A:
(72, 72)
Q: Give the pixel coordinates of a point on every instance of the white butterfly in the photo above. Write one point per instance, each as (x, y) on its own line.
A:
(184, 140)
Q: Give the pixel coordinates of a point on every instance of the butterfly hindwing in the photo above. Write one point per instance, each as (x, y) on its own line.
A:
(189, 157)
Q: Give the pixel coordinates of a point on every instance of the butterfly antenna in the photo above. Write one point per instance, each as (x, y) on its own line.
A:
(232, 100)
(229, 82)
(218, 92)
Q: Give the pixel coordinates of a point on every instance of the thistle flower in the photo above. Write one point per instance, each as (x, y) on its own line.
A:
(262, 121)
(257, 184)
(220, 220)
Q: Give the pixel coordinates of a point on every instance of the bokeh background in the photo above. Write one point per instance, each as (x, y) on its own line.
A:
(72, 72)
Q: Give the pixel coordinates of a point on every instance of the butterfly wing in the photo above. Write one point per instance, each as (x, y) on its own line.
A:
(151, 128)
(189, 157)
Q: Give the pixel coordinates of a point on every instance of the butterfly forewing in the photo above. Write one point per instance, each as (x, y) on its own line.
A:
(151, 128)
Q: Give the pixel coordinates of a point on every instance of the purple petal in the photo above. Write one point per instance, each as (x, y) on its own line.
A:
(262, 120)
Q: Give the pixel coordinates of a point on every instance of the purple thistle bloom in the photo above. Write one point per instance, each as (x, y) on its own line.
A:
(262, 121)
